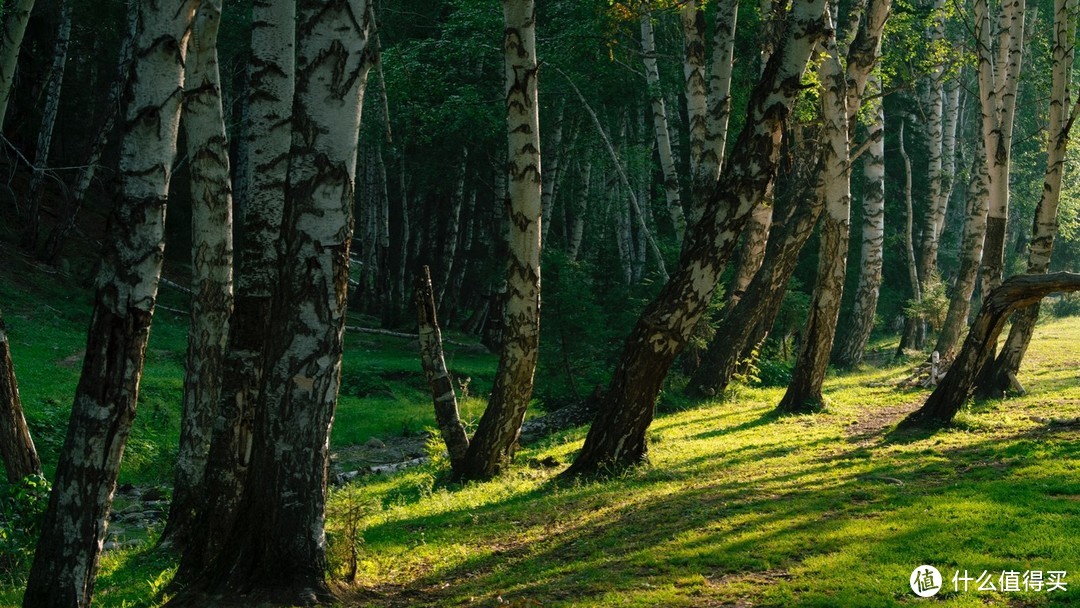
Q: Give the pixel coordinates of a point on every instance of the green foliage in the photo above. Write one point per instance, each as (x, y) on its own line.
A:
(346, 510)
(934, 304)
(587, 316)
(22, 508)
(1067, 305)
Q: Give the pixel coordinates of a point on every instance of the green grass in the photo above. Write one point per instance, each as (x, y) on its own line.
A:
(737, 508)
(741, 508)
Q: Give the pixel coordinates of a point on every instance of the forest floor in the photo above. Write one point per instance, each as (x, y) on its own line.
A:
(737, 508)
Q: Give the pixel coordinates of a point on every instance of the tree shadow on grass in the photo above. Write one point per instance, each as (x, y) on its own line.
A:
(697, 531)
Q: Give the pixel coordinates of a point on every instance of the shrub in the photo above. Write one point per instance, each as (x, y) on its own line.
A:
(22, 507)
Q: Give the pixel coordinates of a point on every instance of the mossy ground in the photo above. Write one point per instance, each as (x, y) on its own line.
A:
(737, 508)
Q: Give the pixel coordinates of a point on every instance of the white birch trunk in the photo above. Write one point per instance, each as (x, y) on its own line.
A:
(864, 310)
(997, 95)
(577, 225)
(73, 531)
(211, 264)
(804, 392)
(266, 138)
(281, 536)
(695, 89)
(660, 126)
(842, 91)
(971, 251)
(1045, 225)
(496, 435)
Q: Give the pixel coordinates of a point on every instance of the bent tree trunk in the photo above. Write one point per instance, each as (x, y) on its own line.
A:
(66, 560)
(434, 363)
(278, 547)
(617, 435)
(211, 264)
(496, 435)
(16, 446)
(267, 136)
(955, 388)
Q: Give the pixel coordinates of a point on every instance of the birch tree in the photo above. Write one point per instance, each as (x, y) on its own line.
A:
(617, 435)
(279, 544)
(494, 442)
(971, 250)
(1045, 225)
(65, 563)
(45, 131)
(16, 447)
(851, 349)
(660, 126)
(999, 78)
(267, 136)
(804, 391)
(842, 91)
(211, 265)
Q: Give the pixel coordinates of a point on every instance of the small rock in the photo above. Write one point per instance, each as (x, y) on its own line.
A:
(153, 494)
(375, 444)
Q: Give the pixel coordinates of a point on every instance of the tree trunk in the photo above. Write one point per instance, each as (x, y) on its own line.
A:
(804, 391)
(494, 443)
(912, 326)
(450, 234)
(934, 215)
(623, 178)
(211, 264)
(842, 92)
(14, 25)
(971, 249)
(1045, 225)
(703, 166)
(548, 193)
(16, 446)
(752, 316)
(69, 210)
(719, 101)
(73, 530)
(434, 364)
(45, 132)
(277, 549)
(581, 201)
(617, 436)
(955, 388)
(851, 350)
(660, 126)
(998, 82)
(266, 137)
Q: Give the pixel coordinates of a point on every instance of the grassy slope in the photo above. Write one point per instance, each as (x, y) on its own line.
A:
(740, 508)
(737, 509)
